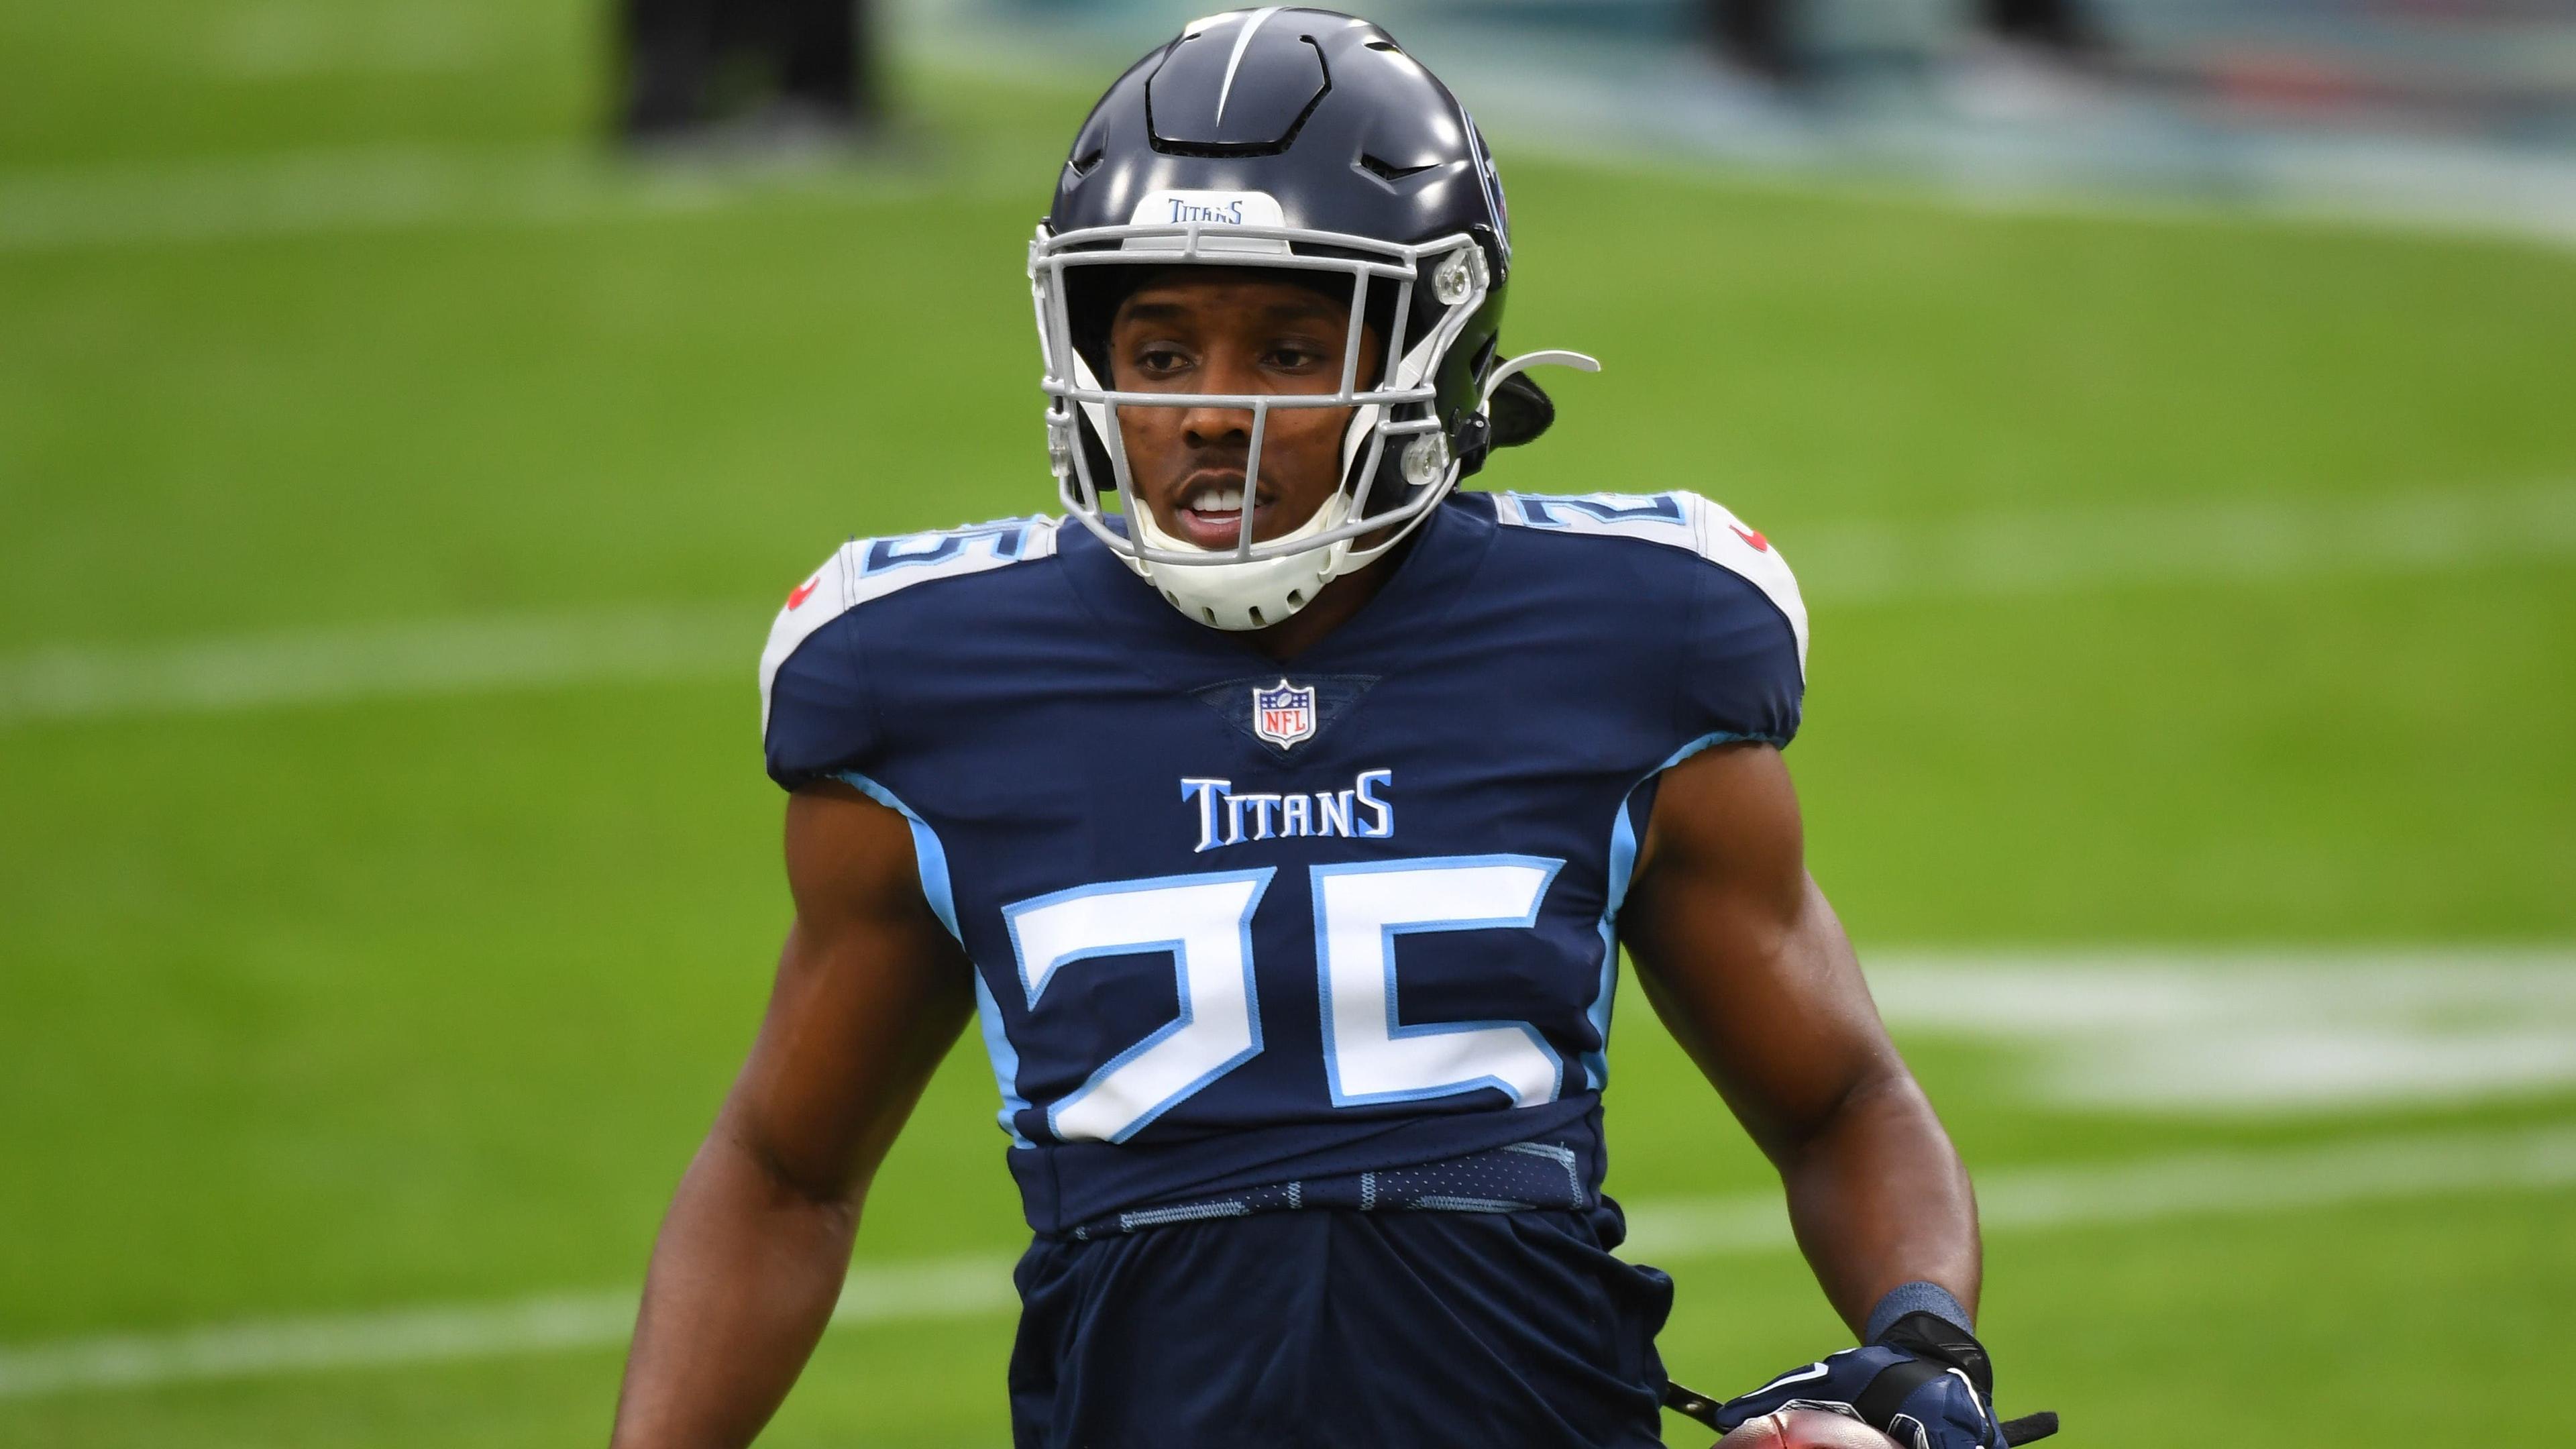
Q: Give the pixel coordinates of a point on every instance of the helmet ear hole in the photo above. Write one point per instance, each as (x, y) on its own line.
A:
(1482, 364)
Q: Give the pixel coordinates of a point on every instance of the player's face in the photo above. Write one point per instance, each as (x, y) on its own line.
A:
(1224, 330)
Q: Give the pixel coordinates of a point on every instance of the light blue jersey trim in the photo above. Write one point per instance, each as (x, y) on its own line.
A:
(1623, 862)
(931, 859)
(1704, 742)
(1623, 865)
(1006, 1061)
(927, 853)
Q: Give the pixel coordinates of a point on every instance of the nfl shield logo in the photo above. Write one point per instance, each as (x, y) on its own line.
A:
(1283, 713)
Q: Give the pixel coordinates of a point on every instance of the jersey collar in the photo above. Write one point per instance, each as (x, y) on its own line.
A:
(1428, 578)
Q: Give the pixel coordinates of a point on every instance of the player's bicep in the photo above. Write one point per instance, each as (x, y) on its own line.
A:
(1740, 953)
(871, 992)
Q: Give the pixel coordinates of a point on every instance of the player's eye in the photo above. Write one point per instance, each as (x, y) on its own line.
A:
(1295, 356)
(1158, 360)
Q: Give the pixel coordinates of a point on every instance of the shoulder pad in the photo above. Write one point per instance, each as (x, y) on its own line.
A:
(1677, 520)
(866, 569)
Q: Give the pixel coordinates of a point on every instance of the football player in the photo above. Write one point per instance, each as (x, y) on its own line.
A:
(1278, 814)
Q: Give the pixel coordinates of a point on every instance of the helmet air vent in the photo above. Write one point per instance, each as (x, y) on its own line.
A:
(1388, 171)
(1240, 87)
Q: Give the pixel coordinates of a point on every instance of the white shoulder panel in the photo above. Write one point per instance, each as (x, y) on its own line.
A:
(871, 568)
(1679, 520)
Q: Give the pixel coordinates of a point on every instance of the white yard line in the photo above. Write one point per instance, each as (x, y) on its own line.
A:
(1975, 556)
(327, 192)
(2253, 1032)
(2196, 1184)
(324, 666)
(2023, 1200)
(940, 1288)
(2250, 540)
(298, 193)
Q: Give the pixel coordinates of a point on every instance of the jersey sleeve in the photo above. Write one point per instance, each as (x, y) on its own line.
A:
(817, 716)
(1744, 662)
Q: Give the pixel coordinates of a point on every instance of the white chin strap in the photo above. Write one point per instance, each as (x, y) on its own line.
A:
(1244, 593)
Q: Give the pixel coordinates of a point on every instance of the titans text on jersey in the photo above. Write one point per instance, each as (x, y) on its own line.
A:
(1250, 935)
(1231, 817)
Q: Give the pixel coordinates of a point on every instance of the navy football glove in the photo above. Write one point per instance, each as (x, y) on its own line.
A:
(1924, 1384)
(1923, 1381)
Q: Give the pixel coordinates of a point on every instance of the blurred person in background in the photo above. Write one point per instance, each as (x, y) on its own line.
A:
(749, 73)
(1755, 36)
(2064, 28)
(1762, 37)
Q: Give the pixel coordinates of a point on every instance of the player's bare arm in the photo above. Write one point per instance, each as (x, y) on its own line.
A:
(1745, 962)
(870, 992)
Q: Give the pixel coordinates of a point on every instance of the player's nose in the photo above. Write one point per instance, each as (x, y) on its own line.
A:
(1216, 427)
(1226, 372)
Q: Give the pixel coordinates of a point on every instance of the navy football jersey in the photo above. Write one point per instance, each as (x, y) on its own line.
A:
(1239, 925)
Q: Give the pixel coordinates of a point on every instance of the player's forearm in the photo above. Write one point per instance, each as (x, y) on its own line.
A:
(1879, 1198)
(744, 1276)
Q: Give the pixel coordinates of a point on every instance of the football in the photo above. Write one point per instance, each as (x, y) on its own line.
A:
(1805, 1429)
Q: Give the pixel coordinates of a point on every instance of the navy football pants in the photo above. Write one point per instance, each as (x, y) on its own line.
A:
(1341, 1330)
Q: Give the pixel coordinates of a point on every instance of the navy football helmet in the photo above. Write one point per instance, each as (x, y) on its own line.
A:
(1304, 140)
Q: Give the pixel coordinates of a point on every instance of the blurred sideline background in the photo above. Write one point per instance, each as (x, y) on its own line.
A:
(2166, 407)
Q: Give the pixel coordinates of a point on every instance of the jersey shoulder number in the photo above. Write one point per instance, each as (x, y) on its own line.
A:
(867, 569)
(1681, 520)
(817, 710)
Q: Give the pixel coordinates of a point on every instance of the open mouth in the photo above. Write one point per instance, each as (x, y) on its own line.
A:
(1210, 513)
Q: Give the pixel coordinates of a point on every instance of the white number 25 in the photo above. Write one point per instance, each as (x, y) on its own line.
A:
(1205, 923)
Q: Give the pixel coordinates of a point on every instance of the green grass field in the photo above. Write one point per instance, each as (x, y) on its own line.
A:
(318, 318)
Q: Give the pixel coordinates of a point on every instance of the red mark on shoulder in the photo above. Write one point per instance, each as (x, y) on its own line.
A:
(1758, 543)
(801, 592)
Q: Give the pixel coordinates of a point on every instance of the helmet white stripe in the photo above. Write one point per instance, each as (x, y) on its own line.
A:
(1257, 19)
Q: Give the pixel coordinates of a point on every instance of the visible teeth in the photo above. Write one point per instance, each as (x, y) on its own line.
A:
(1217, 500)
